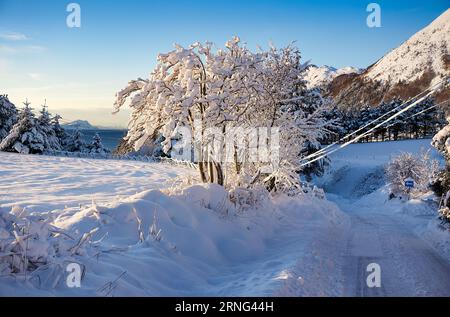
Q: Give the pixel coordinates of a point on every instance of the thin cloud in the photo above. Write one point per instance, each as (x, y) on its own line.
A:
(35, 76)
(13, 36)
(34, 48)
(4, 64)
(7, 49)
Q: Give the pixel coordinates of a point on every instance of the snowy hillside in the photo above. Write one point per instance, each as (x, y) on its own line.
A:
(426, 51)
(406, 71)
(321, 76)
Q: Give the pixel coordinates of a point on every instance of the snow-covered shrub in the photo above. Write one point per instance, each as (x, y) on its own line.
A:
(285, 180)
(28, 242)
(441, 186)
(210, 196)
(445, 214)
(441, 141)
(199, 88)
(410, 166)
(245, 199)
(8, 116)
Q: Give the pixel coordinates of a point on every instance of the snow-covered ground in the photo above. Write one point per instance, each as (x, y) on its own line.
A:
(205, 246)
(153, 241)
(45, 183)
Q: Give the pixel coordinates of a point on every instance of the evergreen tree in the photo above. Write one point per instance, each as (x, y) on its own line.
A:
(25, 136)
(59, 131)
(96, 147)
(44, 124)
(8, 116)
(76, 142)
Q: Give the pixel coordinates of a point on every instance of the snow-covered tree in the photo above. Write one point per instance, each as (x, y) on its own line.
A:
(25, 136)
(442, 184)
(46, 127)
(96, 147)
(441, 142)
(198, 89)
(76, 143)
(405, 166)
(8, 116)
(60, 132)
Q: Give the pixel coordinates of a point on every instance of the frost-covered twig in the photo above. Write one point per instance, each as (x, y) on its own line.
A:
(86, 237)
(154, 232)
(139, 222)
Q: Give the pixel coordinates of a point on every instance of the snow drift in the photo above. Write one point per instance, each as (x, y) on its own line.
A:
(152, 243)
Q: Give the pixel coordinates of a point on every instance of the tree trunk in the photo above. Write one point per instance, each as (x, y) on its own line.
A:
(202, 169)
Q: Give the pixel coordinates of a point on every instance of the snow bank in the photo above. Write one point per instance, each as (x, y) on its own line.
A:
(156, 244)
(437, 233)
(196, 217)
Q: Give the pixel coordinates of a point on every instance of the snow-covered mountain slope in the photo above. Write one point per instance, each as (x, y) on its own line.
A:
(319, 77)
(425, 52)
(414, 66)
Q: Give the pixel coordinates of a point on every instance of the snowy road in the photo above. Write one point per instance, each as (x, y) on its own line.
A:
(409, 266)
(393, 234)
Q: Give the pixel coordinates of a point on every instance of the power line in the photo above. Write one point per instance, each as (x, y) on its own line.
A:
(416, 114)
(375, 127)
(319, 152)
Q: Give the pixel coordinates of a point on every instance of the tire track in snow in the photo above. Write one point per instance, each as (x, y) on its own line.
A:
(358, 256)
(409, 266)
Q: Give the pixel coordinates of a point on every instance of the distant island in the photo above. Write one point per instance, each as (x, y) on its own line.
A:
(79, 125)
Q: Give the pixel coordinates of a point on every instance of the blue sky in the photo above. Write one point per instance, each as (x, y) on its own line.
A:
(79, 70)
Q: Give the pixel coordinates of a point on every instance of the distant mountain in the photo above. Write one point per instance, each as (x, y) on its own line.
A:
(79, 125)
(414, 66)
(321, 77)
